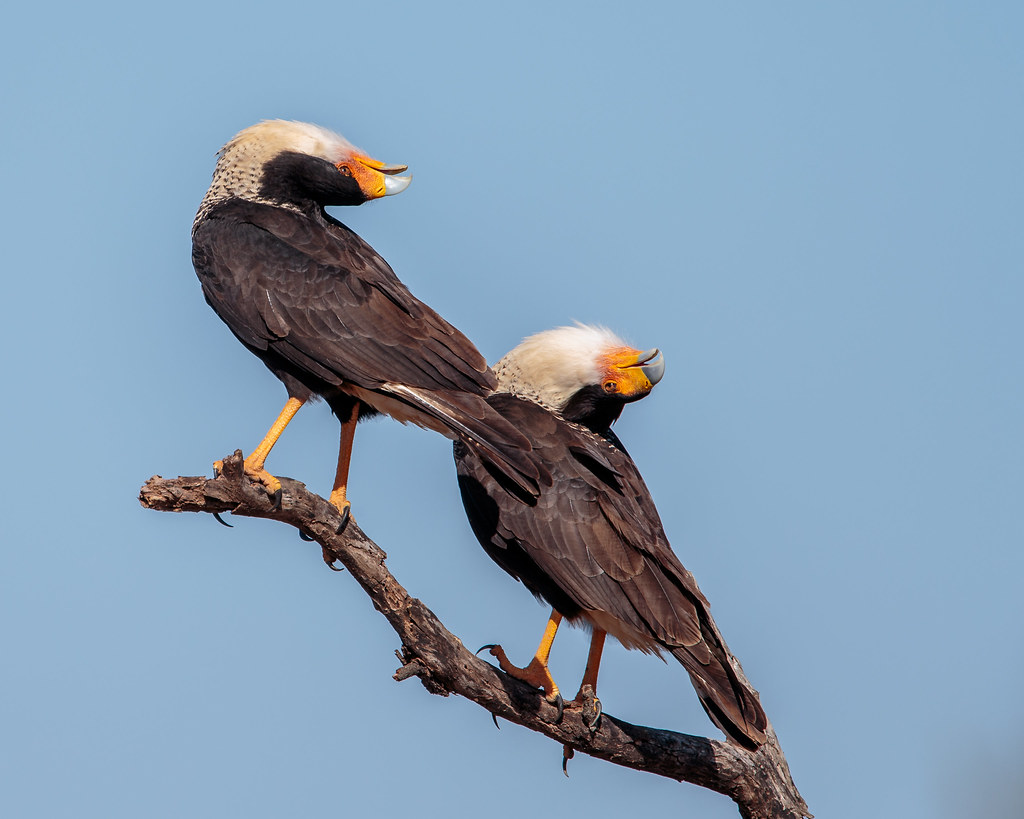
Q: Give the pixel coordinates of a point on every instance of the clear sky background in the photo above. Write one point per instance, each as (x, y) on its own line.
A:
(814, 209)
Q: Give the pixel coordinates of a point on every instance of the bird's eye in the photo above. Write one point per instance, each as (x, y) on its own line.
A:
(345, 170)
(610, 386)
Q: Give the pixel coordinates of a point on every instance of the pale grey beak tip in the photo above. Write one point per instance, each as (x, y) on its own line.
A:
(654, 369)
(396, 184)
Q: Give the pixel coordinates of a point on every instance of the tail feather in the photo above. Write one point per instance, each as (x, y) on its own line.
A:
(470, 419)
(729, 701)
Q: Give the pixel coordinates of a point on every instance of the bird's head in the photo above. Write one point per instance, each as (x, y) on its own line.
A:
(296, 163)
(586, 374)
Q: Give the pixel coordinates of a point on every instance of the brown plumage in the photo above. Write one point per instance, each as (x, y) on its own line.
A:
(322, 309)
(591, 543)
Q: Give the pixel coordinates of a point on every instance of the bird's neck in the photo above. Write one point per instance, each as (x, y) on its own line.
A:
(593, 408)
(589, 407)
(239, 175)
(512, 380)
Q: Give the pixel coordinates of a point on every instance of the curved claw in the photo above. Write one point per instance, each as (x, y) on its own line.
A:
(559, 703)
(345, 515)
(567, 753)
(329, 559)
(494, 717)
(223, 522)
(535, 674)
(305, 537)
(276, 498)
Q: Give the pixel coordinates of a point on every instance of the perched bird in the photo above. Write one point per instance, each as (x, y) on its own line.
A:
(323, 311)
(591, 543)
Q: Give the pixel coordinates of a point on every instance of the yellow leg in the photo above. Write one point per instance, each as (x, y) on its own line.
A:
(536, 673)
(339, 495)
(593, 664)
(586, 698)
(254, 463)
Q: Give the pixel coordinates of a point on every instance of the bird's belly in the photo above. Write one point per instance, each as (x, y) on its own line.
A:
(398, 409)
(626, 634)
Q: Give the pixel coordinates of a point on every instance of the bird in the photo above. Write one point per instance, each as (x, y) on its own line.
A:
(324, 312)
(591, 543)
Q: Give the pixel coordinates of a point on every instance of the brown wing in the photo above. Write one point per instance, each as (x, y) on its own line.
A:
(321, 308)
(312, 293)
(592, 541)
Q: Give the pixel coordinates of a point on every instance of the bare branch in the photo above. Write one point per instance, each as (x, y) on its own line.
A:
(759, 783)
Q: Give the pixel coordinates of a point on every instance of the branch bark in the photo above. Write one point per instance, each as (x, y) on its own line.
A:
(760, 783)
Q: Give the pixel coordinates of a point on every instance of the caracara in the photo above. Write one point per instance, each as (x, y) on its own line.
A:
(323, 311)
(591, 544)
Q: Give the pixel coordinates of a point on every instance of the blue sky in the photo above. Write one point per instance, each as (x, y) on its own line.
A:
(813, 209)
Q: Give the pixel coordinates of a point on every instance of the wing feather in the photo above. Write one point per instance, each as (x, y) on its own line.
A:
(311, 290)
(593, 542)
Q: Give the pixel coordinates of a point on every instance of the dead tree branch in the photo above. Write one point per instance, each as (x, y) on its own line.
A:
(759, 783)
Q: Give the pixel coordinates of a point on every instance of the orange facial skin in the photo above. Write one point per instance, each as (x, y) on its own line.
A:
(370, 174)
(622, 373)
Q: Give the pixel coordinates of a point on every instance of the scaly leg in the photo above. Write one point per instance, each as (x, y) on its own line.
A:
(340, 491)
(253, 465)
(339, 494)
(536, 673)
(586, 697)
(593, 662)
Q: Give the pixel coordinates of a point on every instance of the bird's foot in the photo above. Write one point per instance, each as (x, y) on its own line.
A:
(343, 506)
(270, 483)
(255, 472)
(218, 470)
(590, 707)
(535, 674)
(330, 560)
(328, 555)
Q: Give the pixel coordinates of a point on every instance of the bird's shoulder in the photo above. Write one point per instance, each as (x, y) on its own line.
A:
(571, 451)
(322, 296)
(595, 492)
(593, 528)
(294, 241)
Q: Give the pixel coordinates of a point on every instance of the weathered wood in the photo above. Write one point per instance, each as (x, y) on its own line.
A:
(759, 783)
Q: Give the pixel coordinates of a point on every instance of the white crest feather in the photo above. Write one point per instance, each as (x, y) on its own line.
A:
(240, 162)
(550, 367)
(272, 136)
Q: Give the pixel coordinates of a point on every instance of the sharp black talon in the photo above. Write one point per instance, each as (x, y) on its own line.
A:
(344, 520)
(305, 537)
(330, 559)
(567, 754)
(223, 522)
(560, 705)
(276, 498)
(494, 717)
(489, 645)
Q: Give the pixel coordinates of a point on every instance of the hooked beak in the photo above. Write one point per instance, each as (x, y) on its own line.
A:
(633, 374)
(392, 183)
(652, 364)
(396, 184)
(376, 178)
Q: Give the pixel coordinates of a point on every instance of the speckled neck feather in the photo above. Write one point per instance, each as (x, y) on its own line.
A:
(240, 163)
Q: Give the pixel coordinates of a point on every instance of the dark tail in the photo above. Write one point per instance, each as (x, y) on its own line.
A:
(729, 701)
(470, 419)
